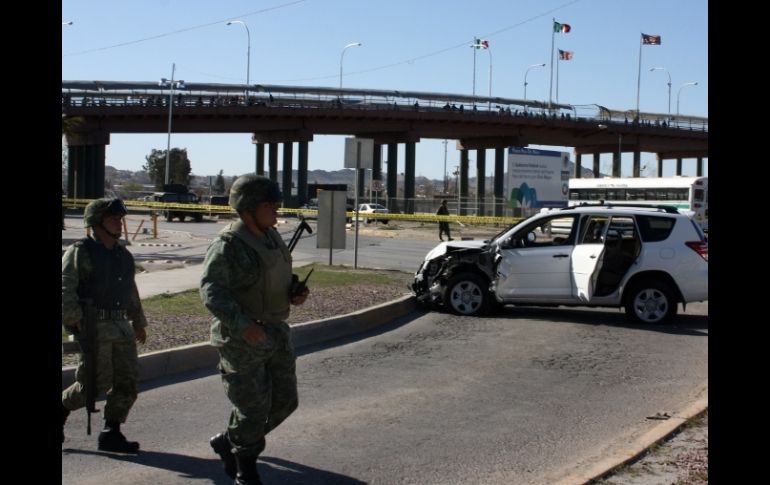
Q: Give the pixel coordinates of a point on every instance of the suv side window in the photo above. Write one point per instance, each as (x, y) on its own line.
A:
(592, 229)
(553, 231)
(655, 228)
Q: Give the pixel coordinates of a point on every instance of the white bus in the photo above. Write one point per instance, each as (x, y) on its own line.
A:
(684, 193)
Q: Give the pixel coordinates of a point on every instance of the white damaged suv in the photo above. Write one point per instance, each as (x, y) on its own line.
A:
(646, 259)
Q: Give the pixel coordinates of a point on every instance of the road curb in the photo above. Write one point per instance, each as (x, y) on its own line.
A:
(639, 446)
(164, 363)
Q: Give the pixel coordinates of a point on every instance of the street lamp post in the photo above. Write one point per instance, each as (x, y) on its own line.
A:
(446, 188)
(669, 84)
(691, 83)
(354, 44)
(67, 23)
(525, 77)
(248, 48)
(172, 85)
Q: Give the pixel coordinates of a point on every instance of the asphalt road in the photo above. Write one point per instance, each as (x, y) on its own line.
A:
(525, 397)
(373, 252)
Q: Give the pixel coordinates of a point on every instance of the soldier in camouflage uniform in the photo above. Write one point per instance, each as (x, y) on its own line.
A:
(246, 284)
(101, 269)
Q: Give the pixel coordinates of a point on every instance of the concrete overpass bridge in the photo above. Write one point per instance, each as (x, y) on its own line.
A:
(291, 114)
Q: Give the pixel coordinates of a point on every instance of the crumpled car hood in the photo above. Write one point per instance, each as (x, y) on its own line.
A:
(449, 246)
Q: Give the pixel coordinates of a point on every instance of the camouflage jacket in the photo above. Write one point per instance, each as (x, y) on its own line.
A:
(76, 268)
(245, 278)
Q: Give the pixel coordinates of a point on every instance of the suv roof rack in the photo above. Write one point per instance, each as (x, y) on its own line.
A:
(667, 208)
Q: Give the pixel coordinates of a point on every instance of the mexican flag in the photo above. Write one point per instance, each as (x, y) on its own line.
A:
(557, 27)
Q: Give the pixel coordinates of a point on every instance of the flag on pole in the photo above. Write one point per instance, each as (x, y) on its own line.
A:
(565, 55)
(480, 44)
(650, 39)
(557, 27)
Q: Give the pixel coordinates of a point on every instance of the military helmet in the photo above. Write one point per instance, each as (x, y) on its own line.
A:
(96, 209)
(250, 190)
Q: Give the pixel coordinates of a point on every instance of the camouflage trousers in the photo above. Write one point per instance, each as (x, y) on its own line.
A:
(261, 384)
(117, 369)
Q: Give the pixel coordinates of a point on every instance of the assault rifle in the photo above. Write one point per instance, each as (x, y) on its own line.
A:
(88, 346)
(303, 226)
(297, 286)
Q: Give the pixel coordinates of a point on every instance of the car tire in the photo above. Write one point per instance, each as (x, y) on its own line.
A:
(168, 217)
(650, 302)
(467, 294)
(385, 221)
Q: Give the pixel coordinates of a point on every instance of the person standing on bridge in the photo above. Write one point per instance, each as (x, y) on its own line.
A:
(247, 286)
(443, 226)
(102, 270)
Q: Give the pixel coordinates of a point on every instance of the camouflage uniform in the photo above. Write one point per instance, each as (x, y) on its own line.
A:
(90, 269)
(117, 365)
(248, 278)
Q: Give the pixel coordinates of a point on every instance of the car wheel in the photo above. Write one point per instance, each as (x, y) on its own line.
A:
(168, 217)
(384, 221)
(650, 302)
(466, 294)
(198, 217)
(182, 217)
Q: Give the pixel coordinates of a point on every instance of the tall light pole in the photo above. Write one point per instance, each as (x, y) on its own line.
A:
(669, 84)
(354, 44)
(248, 48)
(533, 66)
(165, 83)
(446, 188)
(691, 83)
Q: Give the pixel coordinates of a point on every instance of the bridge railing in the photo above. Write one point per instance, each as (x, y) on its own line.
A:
(199, 95)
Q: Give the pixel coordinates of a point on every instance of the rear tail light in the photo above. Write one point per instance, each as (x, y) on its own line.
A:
(700, 247)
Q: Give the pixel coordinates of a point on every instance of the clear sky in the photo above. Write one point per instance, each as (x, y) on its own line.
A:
(415, 45)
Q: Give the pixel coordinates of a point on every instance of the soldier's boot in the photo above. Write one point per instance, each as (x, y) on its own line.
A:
(64, 414)
(221, 445)
(247, 470)
(111, 439)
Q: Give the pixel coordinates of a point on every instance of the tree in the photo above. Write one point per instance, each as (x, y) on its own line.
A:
(219, 184)
(179, 167)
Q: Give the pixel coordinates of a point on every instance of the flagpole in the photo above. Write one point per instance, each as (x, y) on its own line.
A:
(489, 50)
(557, 79)
(553, 38)
(474, 67)
(639, 76)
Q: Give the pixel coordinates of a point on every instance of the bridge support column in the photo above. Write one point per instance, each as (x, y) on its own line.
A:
(272, 161)
(86, 155)
(302, 173)
(288, 155)
(679, 166)
(377, 162)
(699, 167)
(409, 166)
(616, 164)
(260, 161)
(86, 171)
(392, 177)
(578, 165)
(463, 181)
(637, 163)
(597, 169)
(660, 165)
(499, 180)
(481, 169)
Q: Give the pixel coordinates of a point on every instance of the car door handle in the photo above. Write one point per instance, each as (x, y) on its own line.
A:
(593, 256)
(561, 255)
